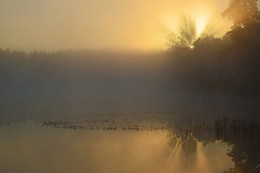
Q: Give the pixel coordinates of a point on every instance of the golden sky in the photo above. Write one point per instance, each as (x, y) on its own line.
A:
(101, 24)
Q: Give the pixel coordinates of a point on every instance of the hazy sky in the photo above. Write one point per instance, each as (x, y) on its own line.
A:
(116, 24)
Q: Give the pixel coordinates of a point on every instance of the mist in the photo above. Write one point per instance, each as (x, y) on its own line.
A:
(43, 85)
(68, 83)
(129, 86)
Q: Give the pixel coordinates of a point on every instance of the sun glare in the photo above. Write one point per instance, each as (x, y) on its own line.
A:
(201, 23)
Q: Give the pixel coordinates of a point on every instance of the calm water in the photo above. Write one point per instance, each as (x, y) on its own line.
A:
(119, 145)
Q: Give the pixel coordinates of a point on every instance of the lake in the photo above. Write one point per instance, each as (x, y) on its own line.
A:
(137, 142)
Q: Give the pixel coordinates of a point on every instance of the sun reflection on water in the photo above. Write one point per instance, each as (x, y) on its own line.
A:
(63, 150)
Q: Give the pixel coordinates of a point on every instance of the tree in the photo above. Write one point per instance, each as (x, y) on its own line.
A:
(242, 13)
(246, 23)
(185, 35)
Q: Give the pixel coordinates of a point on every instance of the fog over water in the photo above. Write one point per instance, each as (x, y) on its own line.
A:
(42, 85)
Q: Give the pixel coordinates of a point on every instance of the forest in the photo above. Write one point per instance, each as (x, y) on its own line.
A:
(228, 65)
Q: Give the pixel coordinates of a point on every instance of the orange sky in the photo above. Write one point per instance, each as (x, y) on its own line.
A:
(101, 24)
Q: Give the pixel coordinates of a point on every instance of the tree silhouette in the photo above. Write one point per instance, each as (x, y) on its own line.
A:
(242, 12)
(246, 21)
(185, 35)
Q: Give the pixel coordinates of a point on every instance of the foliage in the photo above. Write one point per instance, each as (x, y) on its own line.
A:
(185, 35)
(222, 65)
(242, 12)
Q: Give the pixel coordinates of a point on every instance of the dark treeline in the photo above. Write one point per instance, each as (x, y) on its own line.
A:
(20, 69)
(43, 84)
(228, 65)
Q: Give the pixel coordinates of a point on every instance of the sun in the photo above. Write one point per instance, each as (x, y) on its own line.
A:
(186, 30)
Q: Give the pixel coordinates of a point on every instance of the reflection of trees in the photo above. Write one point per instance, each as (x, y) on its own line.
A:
(245, 141)
(245, 156)
(245, 151)
(243, 136)
(187, 134)
(189, 145)
(181, 135)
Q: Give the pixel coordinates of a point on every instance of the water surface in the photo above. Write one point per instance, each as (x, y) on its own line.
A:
(151, 146)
